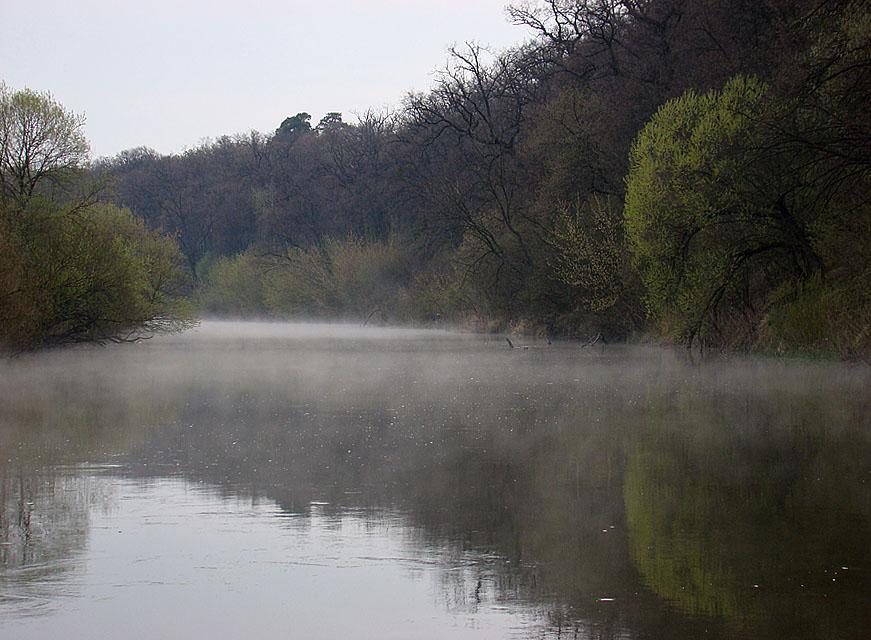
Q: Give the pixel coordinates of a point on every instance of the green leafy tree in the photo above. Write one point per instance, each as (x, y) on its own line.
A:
(40, 142)
(714, 225)
(330, 121)
(295, 125)
(73, 270)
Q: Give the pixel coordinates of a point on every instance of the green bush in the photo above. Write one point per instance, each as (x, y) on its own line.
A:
(233, 286)
(822, 318)
(95, 275)
(350, 278)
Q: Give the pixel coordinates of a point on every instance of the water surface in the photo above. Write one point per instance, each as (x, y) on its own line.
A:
(327, 481)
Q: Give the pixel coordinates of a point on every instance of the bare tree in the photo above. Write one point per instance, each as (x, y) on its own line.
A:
(471, 124)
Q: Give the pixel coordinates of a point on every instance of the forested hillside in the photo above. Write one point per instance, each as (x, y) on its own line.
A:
(694, 170)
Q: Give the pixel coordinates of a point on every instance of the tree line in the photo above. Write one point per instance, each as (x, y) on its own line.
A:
(690, 170)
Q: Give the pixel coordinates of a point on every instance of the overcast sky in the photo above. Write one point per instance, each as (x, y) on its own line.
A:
(168, 73)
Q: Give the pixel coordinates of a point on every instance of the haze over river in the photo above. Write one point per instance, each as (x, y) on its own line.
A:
(246, 480)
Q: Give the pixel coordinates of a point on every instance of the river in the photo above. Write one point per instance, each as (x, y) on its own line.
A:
(331, 481)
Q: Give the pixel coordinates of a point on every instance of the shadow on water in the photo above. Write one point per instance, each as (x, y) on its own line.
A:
(620, 493)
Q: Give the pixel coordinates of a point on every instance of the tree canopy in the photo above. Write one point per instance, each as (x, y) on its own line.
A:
(40, 142)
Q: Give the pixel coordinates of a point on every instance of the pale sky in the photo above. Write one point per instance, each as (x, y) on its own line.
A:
(169, 73)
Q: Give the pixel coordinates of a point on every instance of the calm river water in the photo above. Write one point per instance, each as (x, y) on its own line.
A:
(248, 480)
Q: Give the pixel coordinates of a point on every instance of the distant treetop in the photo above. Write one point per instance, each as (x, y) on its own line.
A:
(293, 125)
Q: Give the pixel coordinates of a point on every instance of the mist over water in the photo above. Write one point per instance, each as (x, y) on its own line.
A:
(326, 481)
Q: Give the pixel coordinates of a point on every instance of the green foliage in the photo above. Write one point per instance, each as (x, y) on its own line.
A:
(331, 121)
(41, 141)
(821, 318)
(590, 255)
(295, 125)
(73, 270)
(233, 286)
(732, 215)
(369, 276)
(437, 294)
(95, 276)
(684, 205)
(300, 282)
(350, 278)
